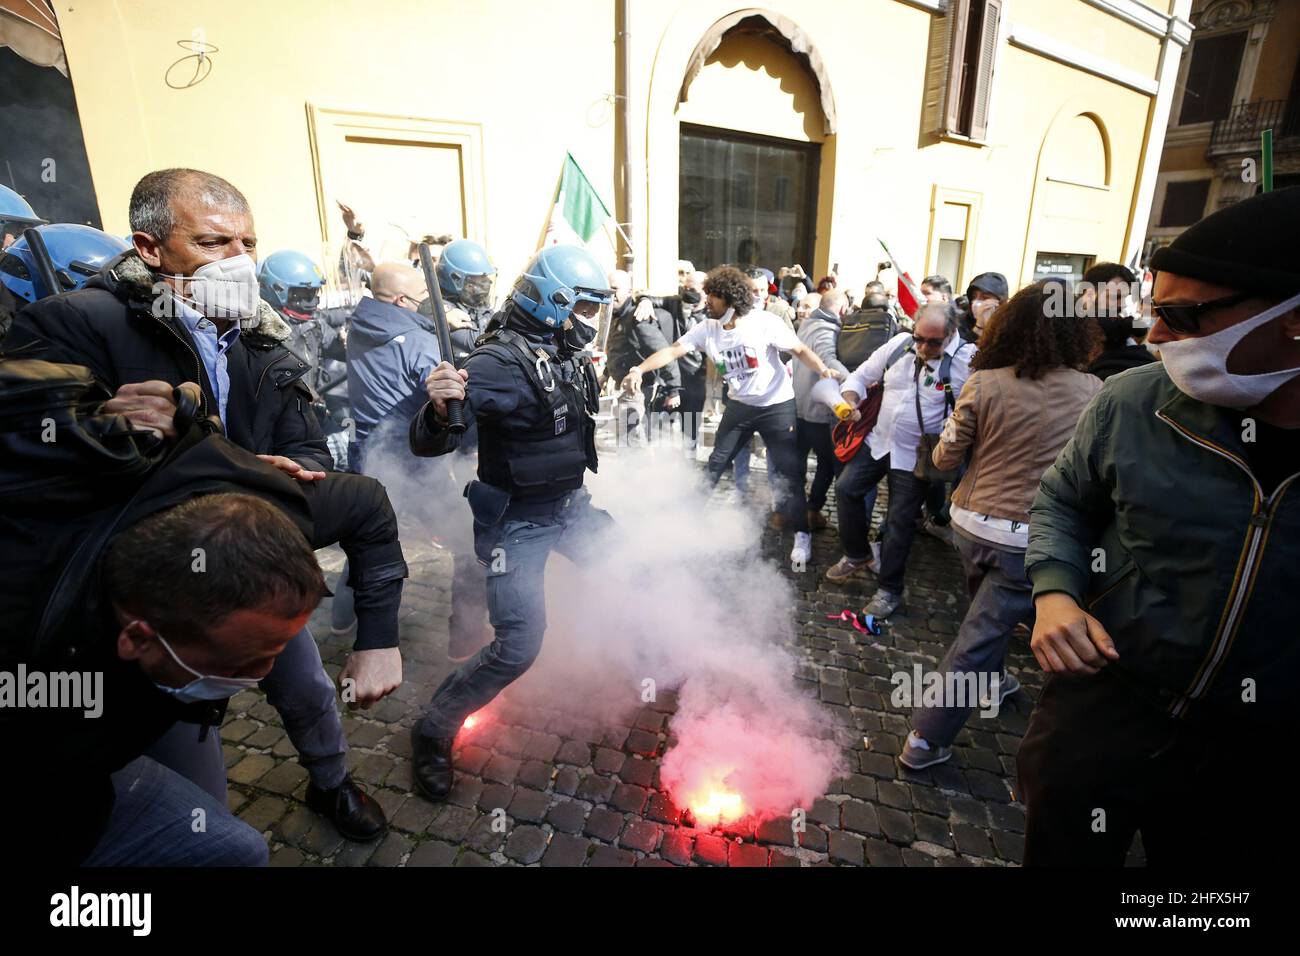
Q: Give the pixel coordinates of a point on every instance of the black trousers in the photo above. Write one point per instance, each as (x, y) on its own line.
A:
(694, 389)
(816, 437)
(1102, 760)
(776, 423)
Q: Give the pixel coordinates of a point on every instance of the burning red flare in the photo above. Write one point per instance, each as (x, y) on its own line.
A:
(470, 721)
(720, 806)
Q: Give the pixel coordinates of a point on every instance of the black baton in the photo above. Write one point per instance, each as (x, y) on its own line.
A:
(455, 407)
(45, 269)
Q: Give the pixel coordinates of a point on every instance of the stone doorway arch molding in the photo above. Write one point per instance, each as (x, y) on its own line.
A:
(691, 35)
(795, 39)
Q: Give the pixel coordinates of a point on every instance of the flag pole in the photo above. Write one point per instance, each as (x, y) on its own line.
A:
(550, 211)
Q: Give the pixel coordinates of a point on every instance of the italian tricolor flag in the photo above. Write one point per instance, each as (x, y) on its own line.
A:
(910, 296)
(577, 212)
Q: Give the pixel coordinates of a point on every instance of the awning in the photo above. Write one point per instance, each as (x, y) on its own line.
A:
(29, 29)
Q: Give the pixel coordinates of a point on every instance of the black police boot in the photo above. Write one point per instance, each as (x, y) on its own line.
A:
(431, 765)
(354, 813)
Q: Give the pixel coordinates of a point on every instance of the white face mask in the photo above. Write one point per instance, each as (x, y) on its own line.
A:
(203, 687)
(225, 289)
(1199, 366)
(982, 309)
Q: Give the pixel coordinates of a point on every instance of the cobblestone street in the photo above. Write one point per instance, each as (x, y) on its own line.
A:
(578, 793)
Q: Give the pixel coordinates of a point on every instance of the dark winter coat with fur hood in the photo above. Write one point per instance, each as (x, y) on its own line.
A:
(110, 327)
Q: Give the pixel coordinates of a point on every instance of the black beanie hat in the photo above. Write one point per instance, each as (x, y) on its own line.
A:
(994, 283)
(1250, 246)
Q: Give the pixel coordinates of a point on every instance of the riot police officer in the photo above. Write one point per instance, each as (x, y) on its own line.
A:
(76, 253)
(16, 214)
(291, 283)
(465, 274)
(532, 389)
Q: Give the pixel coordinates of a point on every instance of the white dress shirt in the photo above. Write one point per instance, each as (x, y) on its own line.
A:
(897, 432)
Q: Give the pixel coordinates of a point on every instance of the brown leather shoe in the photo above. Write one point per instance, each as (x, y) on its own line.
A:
(817, 521)
(776, 521)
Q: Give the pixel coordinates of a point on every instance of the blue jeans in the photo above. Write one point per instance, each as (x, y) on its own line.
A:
(155, 822)
(516, 598)
(1001, 597)
(306, 699)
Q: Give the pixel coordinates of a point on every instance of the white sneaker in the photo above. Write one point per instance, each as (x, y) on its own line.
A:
(802, 549)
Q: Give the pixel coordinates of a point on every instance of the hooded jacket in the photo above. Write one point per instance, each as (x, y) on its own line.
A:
(1153, 521)
(110, 327)
(391, 351)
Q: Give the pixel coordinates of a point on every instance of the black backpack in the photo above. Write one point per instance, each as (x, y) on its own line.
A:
(862, 333)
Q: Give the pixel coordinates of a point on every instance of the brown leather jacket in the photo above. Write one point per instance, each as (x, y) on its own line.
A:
(1016, 427)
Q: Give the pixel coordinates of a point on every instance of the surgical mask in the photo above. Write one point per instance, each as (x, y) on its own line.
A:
(758, 301)
(1199, 366)
(203, 687)
(982, 309)
(225, 289)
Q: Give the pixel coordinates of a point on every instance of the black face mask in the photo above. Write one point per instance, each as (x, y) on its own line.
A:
(1116, 329)
(691, 297)
(579, 334)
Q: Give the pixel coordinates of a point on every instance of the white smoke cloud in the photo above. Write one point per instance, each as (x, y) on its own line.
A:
(680, 595)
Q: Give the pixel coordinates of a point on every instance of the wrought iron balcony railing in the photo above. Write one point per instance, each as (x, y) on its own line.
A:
(1239, 131)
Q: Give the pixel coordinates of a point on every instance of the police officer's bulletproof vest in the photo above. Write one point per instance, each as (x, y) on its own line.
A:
(545, 459)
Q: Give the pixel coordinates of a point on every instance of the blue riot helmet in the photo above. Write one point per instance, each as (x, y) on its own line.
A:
(290, 282)
(76, 253)
(16, 214)
(558, 278)
(465, 274)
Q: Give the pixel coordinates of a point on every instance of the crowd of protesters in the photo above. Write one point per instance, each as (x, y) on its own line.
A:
(1143, 532)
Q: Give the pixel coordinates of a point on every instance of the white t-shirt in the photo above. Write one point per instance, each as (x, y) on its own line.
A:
(748, 357)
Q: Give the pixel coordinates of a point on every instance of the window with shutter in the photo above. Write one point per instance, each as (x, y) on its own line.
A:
(959, 15)
(984, 62)
(1184, 202)
(959, 73)
(1212, 78)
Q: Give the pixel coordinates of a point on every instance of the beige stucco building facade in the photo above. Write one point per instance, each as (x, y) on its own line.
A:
(1241, 76)
(1021, 136)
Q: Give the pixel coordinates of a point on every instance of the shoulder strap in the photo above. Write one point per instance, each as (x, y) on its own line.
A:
(945, 376)
(898, 354)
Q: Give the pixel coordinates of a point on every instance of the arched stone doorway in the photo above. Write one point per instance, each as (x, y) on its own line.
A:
(753, 121)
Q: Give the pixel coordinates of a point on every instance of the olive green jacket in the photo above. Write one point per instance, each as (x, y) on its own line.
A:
(1152, 521)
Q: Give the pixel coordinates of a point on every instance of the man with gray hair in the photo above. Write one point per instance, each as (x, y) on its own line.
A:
(923, 372)
(181, 306)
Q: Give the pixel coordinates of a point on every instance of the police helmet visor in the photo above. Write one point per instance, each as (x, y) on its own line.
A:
(478, 291)
(595, 298)
(302, 300)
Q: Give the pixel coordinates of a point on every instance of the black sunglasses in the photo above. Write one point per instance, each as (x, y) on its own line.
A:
(1186, 319)
(922, 340)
